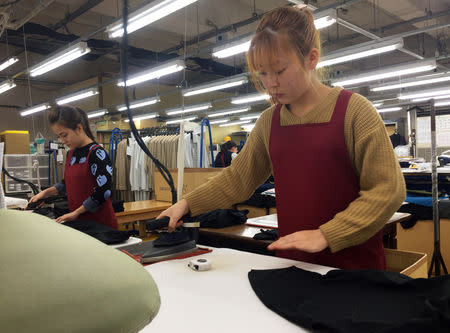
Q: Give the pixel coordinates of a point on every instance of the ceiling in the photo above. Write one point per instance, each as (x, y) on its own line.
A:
(34, 29)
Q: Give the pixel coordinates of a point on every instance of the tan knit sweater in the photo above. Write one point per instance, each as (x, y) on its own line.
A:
(381, 181)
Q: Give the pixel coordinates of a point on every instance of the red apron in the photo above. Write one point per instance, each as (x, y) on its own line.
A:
(315, 180)
(80, 184)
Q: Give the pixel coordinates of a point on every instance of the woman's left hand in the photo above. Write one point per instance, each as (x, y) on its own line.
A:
(307, 240)
(67, 217)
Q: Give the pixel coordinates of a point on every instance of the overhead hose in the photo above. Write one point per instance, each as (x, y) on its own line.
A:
(124, 48)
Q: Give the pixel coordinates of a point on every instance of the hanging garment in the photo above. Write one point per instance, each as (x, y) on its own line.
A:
(315, 180)
(79, 186)
(397, 140)
(344, 301)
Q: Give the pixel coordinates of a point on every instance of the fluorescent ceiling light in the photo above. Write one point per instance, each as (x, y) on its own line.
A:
(233, 48)
(219, 121)
(427, 93)
(144, 116)
(176, 121)
(250, 116)
(140, 103)
(359, 52)
(397, 108)
(35, 109)
(242, 45)
(60, 58)
(250, 98)
(422, 99)
(227, 112)
(154, 73)
(189, 108)
(388, 72)
(235, 123)
(442, 103)
(76, 96)
(375, 105)
(248, 127)
(229, 82)
(97, 113)
(324, 22)
(6, 85)
(147, 15)
(412, 83)
(8, 63)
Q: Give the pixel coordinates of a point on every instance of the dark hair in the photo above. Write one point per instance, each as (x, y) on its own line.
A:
(70, 117)
(227, 146)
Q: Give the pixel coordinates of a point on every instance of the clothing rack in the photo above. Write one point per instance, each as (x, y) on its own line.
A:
(160, 130)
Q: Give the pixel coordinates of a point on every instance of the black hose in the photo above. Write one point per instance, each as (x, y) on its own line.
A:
(124, 48)
(33, 187)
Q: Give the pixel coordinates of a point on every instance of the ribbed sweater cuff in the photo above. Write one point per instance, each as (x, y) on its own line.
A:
(194, 203)
(334, 237)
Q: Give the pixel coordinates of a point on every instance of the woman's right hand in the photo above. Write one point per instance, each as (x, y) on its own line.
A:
(37, 197)
(175, 212)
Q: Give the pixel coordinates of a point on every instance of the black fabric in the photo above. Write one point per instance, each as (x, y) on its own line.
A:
(270, 234)
(226, 159)
(397, 140)
(264, 187)
(118, 206)
(422, 182)
(221, 218)
(170, 239)
(417, 213)
(99, 231)
(365, 301)
(61, 208)
(46, 211)
(260, 200)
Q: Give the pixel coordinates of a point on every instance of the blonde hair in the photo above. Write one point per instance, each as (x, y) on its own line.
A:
(291, 29)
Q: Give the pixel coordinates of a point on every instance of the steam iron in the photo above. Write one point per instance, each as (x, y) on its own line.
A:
(167, 246)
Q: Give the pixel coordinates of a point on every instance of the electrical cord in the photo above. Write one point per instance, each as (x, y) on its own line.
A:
(124, 48)
(33, 187)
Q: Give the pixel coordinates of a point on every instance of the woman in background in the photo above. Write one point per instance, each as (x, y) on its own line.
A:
(228, 151)
(88, 171)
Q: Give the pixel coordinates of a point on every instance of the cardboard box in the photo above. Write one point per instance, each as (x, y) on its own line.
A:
(16, 142)
(193, 178)
(412, 264)
(420, 238)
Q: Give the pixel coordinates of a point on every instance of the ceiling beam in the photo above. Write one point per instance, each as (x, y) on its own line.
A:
(78, 12)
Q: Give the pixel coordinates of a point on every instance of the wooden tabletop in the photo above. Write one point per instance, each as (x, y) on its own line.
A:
(141, 211)
(136, 207)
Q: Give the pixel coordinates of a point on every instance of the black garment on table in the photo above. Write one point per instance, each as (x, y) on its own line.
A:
(99, 231)
(397, 140)
(221, 218)
(264, 187)
(61, 208)
(260, 200)
(417, 212)
(223, 163)
(355, 301)
(46, 211)
(118, 206)
(269, 234)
